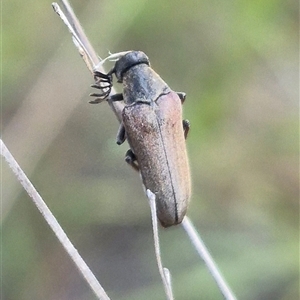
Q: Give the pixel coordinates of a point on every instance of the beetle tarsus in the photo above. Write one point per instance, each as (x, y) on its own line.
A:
(182, 96)
(186, 127)
(103, 82)
(97, 86)
(97, 100)
(130, 158)
(121, 135)
(100, 97)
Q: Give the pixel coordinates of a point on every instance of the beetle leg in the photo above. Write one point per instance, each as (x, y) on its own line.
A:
(121, 135)
(186, 127)
(130, 158)
(115, 97)
(103, 82)
(182, 96)
(99, 99)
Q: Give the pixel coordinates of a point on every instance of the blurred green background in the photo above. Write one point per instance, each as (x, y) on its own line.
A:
(237, 61)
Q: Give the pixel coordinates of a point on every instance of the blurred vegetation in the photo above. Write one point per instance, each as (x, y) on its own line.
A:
(238, 63)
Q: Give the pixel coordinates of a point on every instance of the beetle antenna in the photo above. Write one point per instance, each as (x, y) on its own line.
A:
(112, 57)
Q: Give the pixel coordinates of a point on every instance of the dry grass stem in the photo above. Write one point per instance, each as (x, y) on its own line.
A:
(164, 272)
(53, 223)
(84, 47)
(208, 260)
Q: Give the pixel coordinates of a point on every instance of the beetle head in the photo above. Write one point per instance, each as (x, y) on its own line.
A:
(129, 60)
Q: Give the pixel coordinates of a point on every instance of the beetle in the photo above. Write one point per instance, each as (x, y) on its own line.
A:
(152, 123)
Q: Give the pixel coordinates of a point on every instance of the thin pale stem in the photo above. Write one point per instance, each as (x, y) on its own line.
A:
(54, 225)
(208, 260)
(75, 29)
(84, 47)
(79, 31)
(164, 272)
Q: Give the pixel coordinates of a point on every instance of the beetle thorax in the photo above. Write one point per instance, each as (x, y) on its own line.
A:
(142, 84)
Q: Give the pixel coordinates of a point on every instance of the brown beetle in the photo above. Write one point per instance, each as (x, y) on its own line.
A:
(152, 123)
